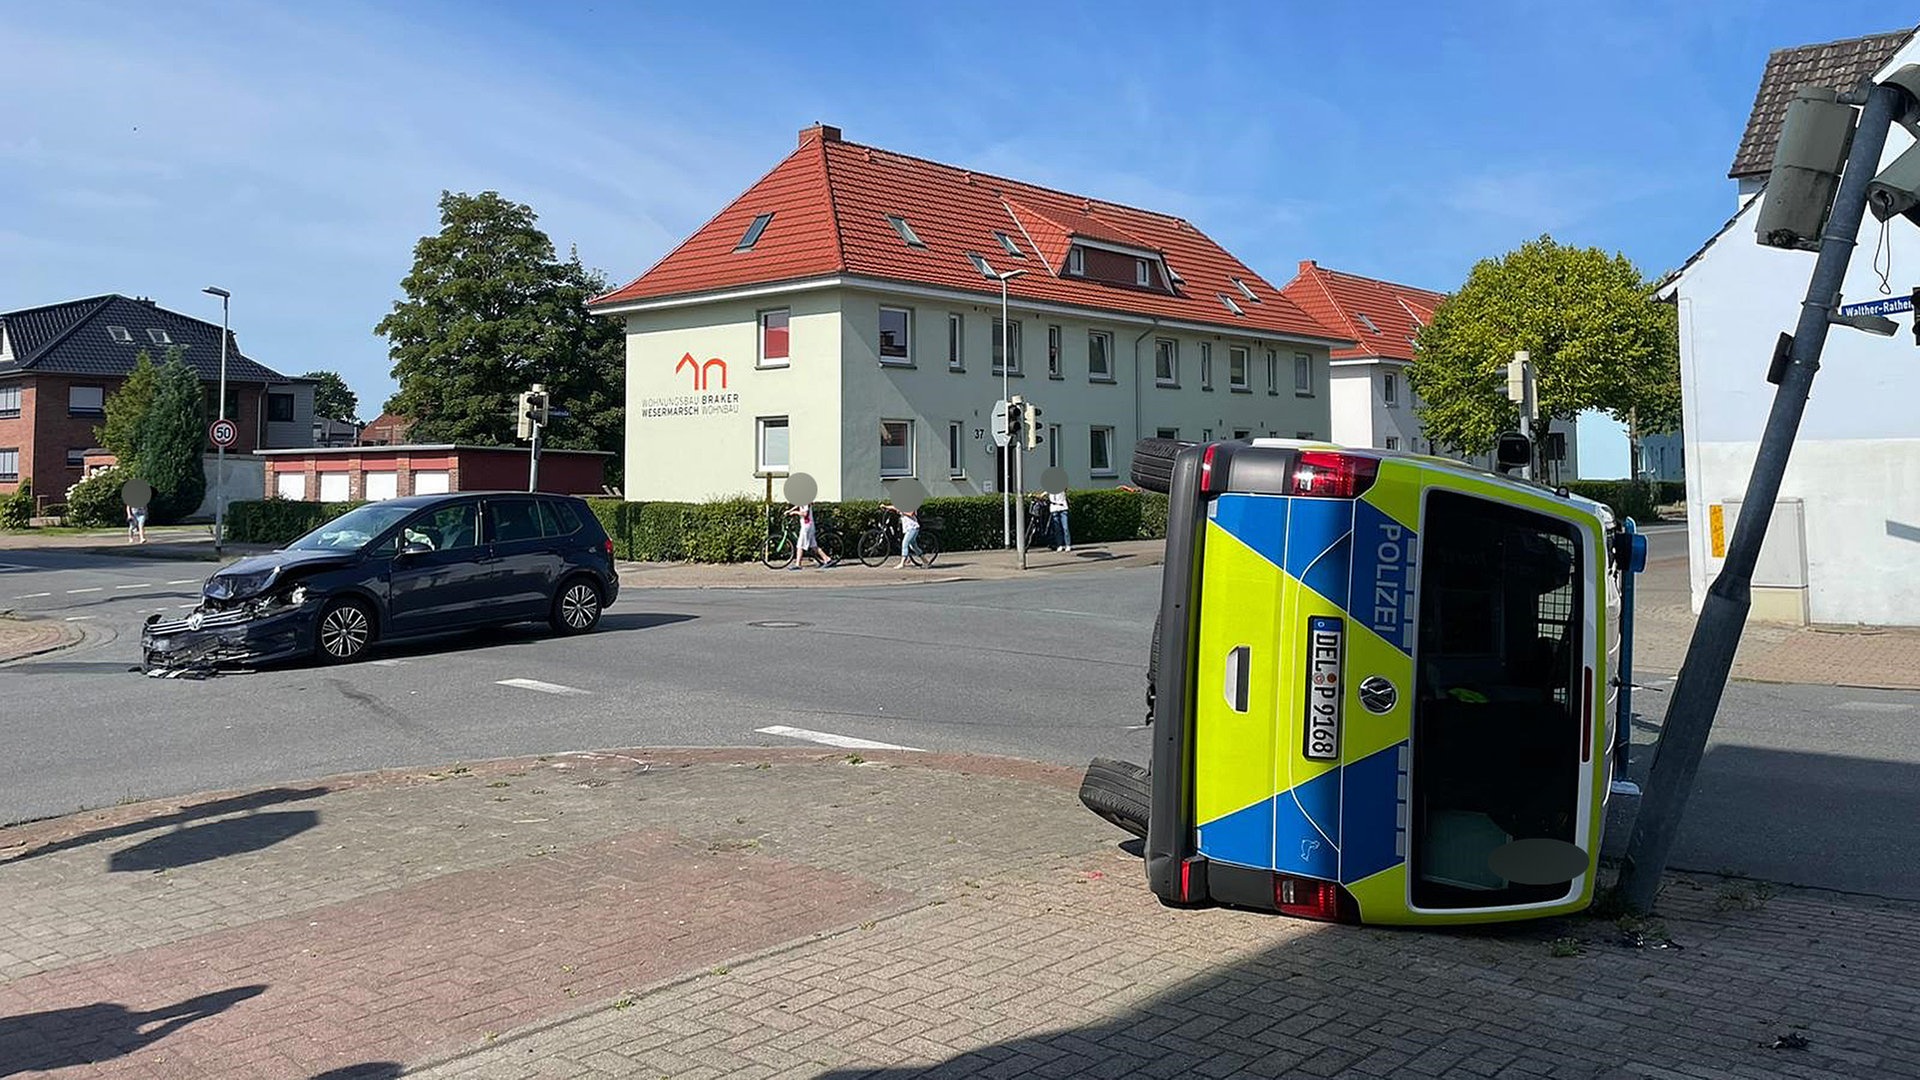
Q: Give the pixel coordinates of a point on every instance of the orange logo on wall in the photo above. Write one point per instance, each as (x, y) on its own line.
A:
(702, 372)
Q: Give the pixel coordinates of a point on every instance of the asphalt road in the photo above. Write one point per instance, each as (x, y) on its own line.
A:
(1801, 784)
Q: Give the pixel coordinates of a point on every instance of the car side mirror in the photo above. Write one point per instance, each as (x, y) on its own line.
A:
(415, 547)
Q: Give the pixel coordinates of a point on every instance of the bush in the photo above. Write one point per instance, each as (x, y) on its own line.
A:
(1097, 517)
(95, 501)
(278, 521)
(1637, 501)
(1153, 516)
(16, 510)
(173, 436)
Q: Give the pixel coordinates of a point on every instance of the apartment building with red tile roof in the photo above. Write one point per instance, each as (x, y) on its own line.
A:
(842, 318)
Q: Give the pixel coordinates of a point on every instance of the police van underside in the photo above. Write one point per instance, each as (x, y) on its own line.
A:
(1382, 688)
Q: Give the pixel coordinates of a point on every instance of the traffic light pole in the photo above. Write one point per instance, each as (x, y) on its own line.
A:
(1703, 675)
(533, 458)
(1020, 501)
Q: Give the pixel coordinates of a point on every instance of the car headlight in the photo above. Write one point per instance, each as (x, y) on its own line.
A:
(231, 586)
(297, 596)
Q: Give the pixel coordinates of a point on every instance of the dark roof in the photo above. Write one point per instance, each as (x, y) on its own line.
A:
(1838, 64)
(74, 338)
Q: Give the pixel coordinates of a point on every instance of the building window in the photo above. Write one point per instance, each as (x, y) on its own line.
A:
(233, 402)
(896, 329)
(1303, 374)
(896, 448)
(1390, 389)
(905, 230)
(1393, 442)
(1011, 338)
(1053, 352)
(1100, 451)
(1166, 362)
(1053, 445)
(956, 341)
(1303, 434)
(1141, 274)
(1007, 243)
(120, 334)
(1206, 365)
(9, 463)
(752, 235)
(1206, 434)
(86, 401)
(1099, 356)
(76, 457)
(1077, 261)
(1273, 371)
(1242, 434)
(1166, 433)
(9, 401)
(979, 262)
(774, 338)
(1237, 369)
(1244, 291)
(280, 408)
(158, 336)
(775, 443)
(1227, 302)
(956, 441)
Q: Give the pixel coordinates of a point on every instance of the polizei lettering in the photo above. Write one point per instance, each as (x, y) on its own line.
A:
(1390, 590)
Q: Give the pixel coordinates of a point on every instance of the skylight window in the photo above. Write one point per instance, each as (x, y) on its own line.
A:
(980, 263)
(752, 235)
(1366, 322)
(1228, 301)
(1012, 248)
(1244, 290)
(119, 333)
(905, 230)
(1174, 275)
(158, 336)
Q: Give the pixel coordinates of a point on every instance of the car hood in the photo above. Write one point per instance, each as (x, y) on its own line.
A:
(256, 574)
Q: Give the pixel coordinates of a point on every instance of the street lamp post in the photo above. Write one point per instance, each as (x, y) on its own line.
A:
(1007, 509)
(220, 469)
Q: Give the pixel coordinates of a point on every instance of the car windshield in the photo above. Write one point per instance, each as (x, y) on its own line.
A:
(352, 530)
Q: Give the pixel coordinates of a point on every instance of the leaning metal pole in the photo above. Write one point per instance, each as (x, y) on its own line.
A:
(1716, 635)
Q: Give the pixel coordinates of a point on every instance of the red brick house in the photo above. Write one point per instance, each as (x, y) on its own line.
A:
(60, 363)
(354, 473)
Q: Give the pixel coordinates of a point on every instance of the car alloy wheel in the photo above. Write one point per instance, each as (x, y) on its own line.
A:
(345, 631)
(579, 606)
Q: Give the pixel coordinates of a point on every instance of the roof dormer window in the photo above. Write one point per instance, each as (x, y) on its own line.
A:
(905, 230)
(1244, 290)
(1142, 273)
(752, 235)
(1077, 261)
(1007, 243)
(158, 336)
(120, 334)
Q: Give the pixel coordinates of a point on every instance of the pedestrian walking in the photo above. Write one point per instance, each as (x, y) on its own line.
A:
(1057, 503)
(136, 524)
(809, 542)
(909, 535)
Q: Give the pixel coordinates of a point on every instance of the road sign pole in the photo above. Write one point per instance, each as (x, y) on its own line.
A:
(1716, 634)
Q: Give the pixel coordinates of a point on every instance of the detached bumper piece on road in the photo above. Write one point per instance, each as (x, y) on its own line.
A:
(206, 643)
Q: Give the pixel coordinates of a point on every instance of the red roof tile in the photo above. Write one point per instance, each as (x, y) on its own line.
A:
(1341, 300)
(830, 201)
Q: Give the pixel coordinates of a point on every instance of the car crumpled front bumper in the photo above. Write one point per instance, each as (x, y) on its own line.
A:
(207, 641)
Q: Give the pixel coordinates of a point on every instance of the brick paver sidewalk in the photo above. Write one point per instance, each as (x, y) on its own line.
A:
(790, 913)
(21, 637)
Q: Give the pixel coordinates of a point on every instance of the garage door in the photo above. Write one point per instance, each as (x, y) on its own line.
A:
(430, 483)
(382, 485)
(333, 487)
(290, 485)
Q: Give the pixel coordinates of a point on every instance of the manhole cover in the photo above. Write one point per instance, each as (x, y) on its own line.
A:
(779, 624)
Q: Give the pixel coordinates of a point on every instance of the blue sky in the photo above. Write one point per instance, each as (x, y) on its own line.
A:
(293, 154)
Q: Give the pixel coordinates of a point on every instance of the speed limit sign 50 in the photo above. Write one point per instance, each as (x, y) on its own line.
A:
(223, 433)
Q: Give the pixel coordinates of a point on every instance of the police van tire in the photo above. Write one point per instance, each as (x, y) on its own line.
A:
(1117, 791)
(1153, 463)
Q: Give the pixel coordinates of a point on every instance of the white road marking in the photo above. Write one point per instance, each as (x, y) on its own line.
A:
(1872, 706)
(97, 588)
(185, 581)
(78, 618)
(389, 662)
(33, 596)
(186, 605)
(543, 687)
(142, 585)
(846, 742)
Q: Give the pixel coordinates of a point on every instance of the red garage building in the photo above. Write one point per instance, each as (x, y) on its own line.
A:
(353, 473)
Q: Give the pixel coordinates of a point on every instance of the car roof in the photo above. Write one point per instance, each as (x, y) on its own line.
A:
(414, 501)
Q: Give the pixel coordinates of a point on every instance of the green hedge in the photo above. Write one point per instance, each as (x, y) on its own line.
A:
(278, 521)
(1640, 502)
(16, 510)
(731, 530)
(95, 502)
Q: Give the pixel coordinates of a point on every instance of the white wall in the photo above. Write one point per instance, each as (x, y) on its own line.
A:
(246, 478)
(1857, 460)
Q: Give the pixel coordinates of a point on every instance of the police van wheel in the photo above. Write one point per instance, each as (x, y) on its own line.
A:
(1117, 791)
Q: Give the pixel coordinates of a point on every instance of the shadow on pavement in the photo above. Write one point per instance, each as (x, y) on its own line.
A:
(212, 840)
(196, 812)
(366, 1070)
(85, 1034)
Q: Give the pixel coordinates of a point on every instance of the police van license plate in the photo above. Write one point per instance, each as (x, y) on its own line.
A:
(1326, 638)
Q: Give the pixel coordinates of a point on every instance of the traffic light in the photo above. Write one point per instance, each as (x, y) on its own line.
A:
(1031, 418)
(1807, 162)
(532, 409)
(1016, 417)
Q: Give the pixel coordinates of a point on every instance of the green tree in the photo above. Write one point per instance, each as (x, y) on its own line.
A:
(332, 399)
(127, 409)
(1596, 337)
(489, 311)
(172, 440)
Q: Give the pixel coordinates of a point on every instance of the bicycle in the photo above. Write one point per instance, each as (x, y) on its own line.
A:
(783, 534)
(879, 543)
